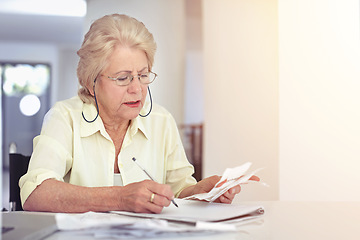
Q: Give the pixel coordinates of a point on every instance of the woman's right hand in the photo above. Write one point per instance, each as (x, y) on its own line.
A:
(145, 197)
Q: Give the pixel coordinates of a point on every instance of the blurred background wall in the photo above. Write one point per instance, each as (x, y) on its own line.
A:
(319, 106)
(275, 82)
(241, 90)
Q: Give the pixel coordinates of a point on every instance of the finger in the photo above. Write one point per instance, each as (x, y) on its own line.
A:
(153, 208)
(206, 184)
(152, 197)
(226, 200)
(212, 180)
(159, 189)
(235, 190)
(221, 183)
(232, 192)
(160, 195)
(148, 204)
(223, 199)
(209, 182)
(159, 200)
(163, 190)
(229, 195)
(254, 178)
(141, 204)
(136, 197)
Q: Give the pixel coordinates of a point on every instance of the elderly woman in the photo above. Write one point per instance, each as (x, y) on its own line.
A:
(82, 160)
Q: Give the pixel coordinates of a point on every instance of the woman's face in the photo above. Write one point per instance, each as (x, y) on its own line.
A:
(122, 103)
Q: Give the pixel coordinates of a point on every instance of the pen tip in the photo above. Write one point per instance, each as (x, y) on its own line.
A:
(174, 203)
(134, 159)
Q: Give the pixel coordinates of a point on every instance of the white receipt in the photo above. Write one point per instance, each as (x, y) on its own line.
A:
(231, 177)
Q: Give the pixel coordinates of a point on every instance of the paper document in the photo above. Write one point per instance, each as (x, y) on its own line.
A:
(193, 211)
(231, 177)
(192, 218)
(116, 226)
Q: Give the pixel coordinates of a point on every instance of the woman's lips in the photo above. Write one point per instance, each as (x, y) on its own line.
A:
(133, 104)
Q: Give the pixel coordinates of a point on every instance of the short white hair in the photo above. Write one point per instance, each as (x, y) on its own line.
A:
(104, 35)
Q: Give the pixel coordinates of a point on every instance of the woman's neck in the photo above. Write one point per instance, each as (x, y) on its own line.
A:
(117, 131)
(116, 127)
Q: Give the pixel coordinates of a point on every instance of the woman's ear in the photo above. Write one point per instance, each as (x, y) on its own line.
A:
(91, 88)
(91, 91)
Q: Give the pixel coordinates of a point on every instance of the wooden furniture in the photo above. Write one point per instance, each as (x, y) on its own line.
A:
(192, 137)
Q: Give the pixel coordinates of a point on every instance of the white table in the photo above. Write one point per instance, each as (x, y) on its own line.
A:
(309, 220)
(286, 220)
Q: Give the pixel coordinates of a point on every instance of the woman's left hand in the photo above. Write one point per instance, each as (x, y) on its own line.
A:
(207, 184)
(229, 195)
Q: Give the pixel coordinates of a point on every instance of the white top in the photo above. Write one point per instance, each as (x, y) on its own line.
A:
(117, 179)
(71, 150)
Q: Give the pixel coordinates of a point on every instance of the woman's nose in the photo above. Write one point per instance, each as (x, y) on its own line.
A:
(135, 85)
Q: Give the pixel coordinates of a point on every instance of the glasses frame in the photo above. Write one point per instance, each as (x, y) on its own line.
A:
(132, 78)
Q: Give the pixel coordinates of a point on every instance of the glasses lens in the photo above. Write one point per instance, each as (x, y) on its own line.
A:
(146, 78)
(123, 80)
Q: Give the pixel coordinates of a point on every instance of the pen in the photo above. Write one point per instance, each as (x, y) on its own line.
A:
(153, 179)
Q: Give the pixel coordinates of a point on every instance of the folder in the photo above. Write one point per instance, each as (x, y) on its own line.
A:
(192, 211)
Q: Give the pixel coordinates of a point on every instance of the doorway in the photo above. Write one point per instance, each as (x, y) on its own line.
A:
(25, 98)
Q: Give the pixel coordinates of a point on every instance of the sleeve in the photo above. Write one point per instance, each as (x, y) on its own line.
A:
(179, 170)
(52, 152)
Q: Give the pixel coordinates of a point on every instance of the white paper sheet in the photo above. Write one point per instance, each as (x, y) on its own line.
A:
(66, 221)
(232, 177)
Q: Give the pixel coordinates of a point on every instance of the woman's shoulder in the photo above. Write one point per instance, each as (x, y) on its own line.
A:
(65, 112)
(158, 110)
(71, 103)
(159, 115)
(66, 108)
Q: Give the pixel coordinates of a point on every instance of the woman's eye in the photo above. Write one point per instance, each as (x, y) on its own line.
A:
(122, 78)
(144, 75)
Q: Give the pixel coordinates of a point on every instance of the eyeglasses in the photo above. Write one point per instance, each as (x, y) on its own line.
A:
(125, 79)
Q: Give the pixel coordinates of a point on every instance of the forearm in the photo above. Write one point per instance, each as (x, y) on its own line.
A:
(56, 196)
(186, 192)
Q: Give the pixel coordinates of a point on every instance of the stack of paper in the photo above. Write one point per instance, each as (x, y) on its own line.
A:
(108, 225)
(191, 218)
